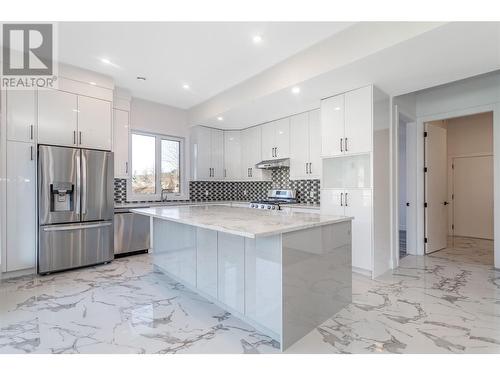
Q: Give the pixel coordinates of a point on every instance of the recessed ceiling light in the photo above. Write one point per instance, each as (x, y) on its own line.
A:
(106, 61)
(257, 39)
(220, 118)
(296, 90)
(141, 78)
(186, 86)
(92, 83)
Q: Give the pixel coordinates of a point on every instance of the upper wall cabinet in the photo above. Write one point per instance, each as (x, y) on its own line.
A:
(232, 155)
(121, 132)
(276, 139)
(207, 153)
(57, 118)
(305, 139)
(251, 146)
(346, 123)
(21, 115)
(67, 119)
(94, 123)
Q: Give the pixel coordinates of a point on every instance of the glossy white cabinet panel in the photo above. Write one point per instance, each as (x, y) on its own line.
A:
(202, 153)
(121, 133)
(358, 203)
(263, 281)
(21, 115)
(268, 140)
(332, 202)
(358, 120)
(21, 206)
(232, 155)
(231, 271)
(94, 123)
(251, 143)
(332, 126)
(206, 261)
(315, 166)
(299, 146)
(57, 118)
(217, 154)
(282, 138)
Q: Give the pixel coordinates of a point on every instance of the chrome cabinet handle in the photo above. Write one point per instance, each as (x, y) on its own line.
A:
(31, 131)
(126, 167)
(276, 152)
(307, 165)
(80, 134)
(345, 144)
(341, 147)
(74, 137)
(31, 152)
(225, 172)
(346, 200)
(341, 199)
(310, 168)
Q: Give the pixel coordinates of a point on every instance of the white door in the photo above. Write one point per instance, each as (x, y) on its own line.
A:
(232, 155)
(121, 142)
(268, 140)
(473, 197)
(282, 138)
(358, 121)
(217, 151)
(358, 204)
(436, 195)
(57, 118)
(94, 123)
(332, 202)
(299, 146)
(21, 206)
(21, 115)
(315, 164)
(332, 126)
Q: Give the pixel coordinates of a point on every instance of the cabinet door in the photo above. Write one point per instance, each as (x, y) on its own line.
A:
(255, 155)
(231, 271)
(268, 140)
(57, 118)
(21, 206)
(282, 137)
(121, 142)
(245, 154)
(315, 165)
(332, 202)
(299, 146)
(217, 154)
(206, 261)
(358, 120)
(21, 118)
(332, 126)
(201, 150)
(94, 123)
(359, 205)
(232, 155)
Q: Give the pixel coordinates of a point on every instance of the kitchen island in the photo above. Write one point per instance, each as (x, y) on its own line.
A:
(283, 272)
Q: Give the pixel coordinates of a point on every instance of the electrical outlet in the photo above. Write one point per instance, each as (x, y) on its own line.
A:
(244, 192)
(206, 193)
(311, 194)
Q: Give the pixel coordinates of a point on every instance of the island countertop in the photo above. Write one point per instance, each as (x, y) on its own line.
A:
(246, 222)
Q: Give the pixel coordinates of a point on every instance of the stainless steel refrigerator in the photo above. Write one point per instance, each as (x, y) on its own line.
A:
(75, 208)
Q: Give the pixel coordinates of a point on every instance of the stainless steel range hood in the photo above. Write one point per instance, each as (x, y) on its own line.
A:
(274, 163)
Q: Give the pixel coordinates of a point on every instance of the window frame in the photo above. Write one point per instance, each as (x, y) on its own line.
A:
(182, 194)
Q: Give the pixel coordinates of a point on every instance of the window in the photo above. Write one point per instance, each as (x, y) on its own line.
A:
(156, 162)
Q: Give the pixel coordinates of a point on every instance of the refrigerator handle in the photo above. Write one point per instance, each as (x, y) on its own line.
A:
(78, 183)
(84, 183)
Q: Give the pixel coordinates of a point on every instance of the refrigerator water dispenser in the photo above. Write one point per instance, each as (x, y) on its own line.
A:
(61, 196)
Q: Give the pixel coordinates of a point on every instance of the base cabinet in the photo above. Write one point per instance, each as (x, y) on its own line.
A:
(231, 271)
(206, 261)
(21, 206)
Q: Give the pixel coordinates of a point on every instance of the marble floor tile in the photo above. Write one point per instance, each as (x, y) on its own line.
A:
(447, 302)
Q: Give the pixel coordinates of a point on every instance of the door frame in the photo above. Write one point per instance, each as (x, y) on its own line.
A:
(495, 108)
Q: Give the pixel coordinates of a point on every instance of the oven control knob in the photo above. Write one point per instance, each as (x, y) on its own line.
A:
(252, 205)
(268, 206)
(273, 208)
(262, 206)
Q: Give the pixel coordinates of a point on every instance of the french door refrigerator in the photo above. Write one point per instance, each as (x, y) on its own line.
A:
(75, 208)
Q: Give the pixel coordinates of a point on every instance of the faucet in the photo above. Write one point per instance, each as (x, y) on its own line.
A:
(164, 193)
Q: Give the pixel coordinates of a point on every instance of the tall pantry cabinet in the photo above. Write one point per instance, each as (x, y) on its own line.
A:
(356, 163)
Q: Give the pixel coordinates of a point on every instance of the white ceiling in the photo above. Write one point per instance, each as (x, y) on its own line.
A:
(210, 57)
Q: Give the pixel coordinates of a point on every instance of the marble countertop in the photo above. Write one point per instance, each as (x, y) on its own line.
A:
(246, 222)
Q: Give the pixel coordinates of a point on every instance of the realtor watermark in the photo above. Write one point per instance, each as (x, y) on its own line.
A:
(28, 56)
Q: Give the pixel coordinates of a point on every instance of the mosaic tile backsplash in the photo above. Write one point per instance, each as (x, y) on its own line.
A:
(308, 191)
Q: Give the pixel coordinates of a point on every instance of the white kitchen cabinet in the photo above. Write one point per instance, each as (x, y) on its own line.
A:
(21, 206)
(207, 156)
(94, 123)
(232, 155)
(276, 139)
(251, 146)
(305, 144)
(358, 120)
(206, 261)
(231, 271)
(347, 123)
(21, 115)
(332, 126)
(121, 133)
(57, 118)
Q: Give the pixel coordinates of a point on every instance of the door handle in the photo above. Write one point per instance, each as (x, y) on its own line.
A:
(345, 145)
(341, 199)
(445, 203)
(225, 172)
(310, 168)
(341, 147)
